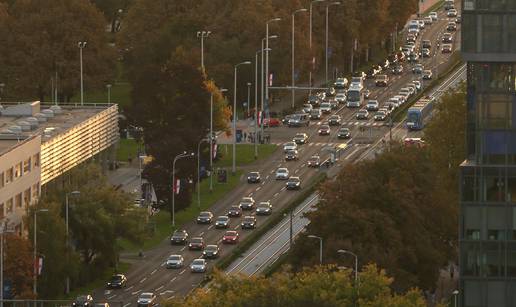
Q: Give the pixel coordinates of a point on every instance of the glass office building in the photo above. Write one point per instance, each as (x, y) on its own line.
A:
(487, 233)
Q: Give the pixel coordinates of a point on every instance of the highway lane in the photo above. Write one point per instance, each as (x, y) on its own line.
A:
(151, 275)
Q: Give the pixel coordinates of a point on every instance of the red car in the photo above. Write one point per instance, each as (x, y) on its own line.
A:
(196, 244)
(230, 237)
(271, 122)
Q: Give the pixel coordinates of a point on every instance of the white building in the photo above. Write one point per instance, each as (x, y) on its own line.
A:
(39, 142)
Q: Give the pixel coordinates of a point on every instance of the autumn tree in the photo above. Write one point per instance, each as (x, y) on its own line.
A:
(42, 41)
(18, 265)
(389, 211)
(113, 10)
(318, 286)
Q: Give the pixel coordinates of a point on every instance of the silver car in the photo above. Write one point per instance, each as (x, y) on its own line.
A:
(198, 266)
(289, 146)
(175, 262)
(282, 173)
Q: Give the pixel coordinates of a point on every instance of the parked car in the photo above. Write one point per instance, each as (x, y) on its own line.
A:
(264, 208)
(230, 237)
(174, 262)
(247, 203)
(293, 183)
(198, 266)
(271, 122)
(117, 281)
(249, 222)
(179, 237)
(205, 217)
(344, 133)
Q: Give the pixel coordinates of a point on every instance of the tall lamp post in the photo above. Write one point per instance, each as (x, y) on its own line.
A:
(264, 81)
(248, 97)
(320, 246)
(233, 170)
(293, 54)
(199, 171)
(35, 290)
(202, 35)
(179, 156)
(342, 251)
(310, 42)
(81, 46)
(67, 237)
(222, 90)
(326, 48)
(266, 98)
(256, 96)
(2, 232)
(108, 86)
(455, 296)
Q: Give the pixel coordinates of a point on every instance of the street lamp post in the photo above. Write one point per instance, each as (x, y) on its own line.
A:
(108, 93)
(326, 48)
(2, 232)
(249, 98)
(81, 46)
(235, 114)
(222, 90)
(199, 172)
(266, 98)
(342, 251)
(310, 42)
(202, 35)
(320, 246)
(293, 54)
(264, 81)
(455, 296)
(67, 243)
(35, 290)
(179, 156)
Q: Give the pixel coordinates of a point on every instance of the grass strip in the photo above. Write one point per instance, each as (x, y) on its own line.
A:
(127, 148)
(244, 154)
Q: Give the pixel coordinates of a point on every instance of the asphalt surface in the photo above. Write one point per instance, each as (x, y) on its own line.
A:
(149, 273)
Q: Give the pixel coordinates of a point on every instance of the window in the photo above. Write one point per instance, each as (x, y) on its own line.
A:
(493, 189)
(471, 259)
(492, 33)
(472, 293)
(496, 223)
(469, 187)
(2, 213)
(9, 206)
(26, 166)
(18, 170)
(2, 178)
(18, 200)
(511, 260)
(492, 260)
(472, 223)
(26, 198)
(496, 293)
(469, 32)
(35, 191)
(9, 177)
(35, 160)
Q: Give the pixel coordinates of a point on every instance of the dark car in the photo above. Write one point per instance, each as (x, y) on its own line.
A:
(179, 237)
(314, 100)
(314, 161)
(234, 211)
(362, 114)
(334, 120)
(205, 217)
(330, 92)
(264, 208)
(425, 52)
(230, 237)
(324, 130)
(253, 177)
(293, 183)
(117, 281)
(247, 203)
(426, 44)
(291, 155)
(380, 116)
(249, 222)
(393, 58)
(452, 26)
(211, 252)
(196, 243)
(83, 301)
(397, 69)
(300, 138)
(344, 133)
(413, 57)
(286, 119)
(222, 222)
(447, 38)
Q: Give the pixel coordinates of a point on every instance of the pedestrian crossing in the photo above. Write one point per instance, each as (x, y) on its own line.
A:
(359, 123)
(323, 144)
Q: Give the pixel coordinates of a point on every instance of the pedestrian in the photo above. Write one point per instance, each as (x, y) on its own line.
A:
(245, 136)
(452, 270)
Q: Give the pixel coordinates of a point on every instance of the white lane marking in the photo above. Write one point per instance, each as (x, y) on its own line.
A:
(155, 270)
(182, 272)
(166, 291)
(135, 292)
(143, 280)
(272, 172)
(210, 227)
(236, 227)
(201, 234)
(111, 297)
(267, 177)
(258, 189)
(220, 240)
(297, 170)
(276, 194)
(163, 264)
(303, 165)
(173, 279)
(161, 287)
(126, 305)
(184, 247)
(127, 289)
(352, 153)
(169, 298)
(263, 183)
(283, 188)
(250, 194)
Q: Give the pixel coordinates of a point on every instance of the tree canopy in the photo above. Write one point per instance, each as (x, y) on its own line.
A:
(391, 211)
(317, 286)
(18, 265)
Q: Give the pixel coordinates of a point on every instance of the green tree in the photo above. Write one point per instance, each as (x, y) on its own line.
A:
(18, 265)
(52, 48)
(389, 211)
(318, 286)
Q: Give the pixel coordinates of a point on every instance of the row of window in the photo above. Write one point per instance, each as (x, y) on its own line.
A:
(489, 33)
(493, 223)
(20, 200)
(488, 188)
(489, 259)
(491, 78)
(477, 293)
(492, 5)
(21, 168)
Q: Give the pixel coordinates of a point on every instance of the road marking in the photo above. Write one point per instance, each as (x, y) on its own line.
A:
(163, 264)
(111, 297)
(297, 170)
(169, 298)
(303, 165)
(210, 227)
(236, 227)
(220, 240)
(276, 194)
(201, 234)
(166, 291)
(258, 189)
(136, 292)
(155, 270)
(250, 194)
(263, 183)
(127, 304)
(183, 248)
(283, 188)
(143, 280)
(272, 172)
(173, 279)
(352, 153)
(161, 287)
(181, 273)
(267, 177)
(127, 289)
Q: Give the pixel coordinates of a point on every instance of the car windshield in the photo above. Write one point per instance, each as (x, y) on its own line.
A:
(372, 103)
(344, 130)
(196, 240)
(291, 152)
(230, 233)
(234, 209)
(264, 204)
(325, 105)
(204, 213)
(146, 295)
(198, 262)
(300, 135)
(248, 219)
(254, 174)
(380, 113)
(211, 248)
(333, 117)
(282, 170)
(178, 234)
(82, 298)
(362, 112)
(290, 144)
(222, 218)
(294, 179)
(247, 200)
(174, 257)
(325, 127)
(116, 277)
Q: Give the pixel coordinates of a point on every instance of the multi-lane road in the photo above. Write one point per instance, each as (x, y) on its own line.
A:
(150, 274)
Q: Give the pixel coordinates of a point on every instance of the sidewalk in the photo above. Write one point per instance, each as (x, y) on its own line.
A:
(127, 177)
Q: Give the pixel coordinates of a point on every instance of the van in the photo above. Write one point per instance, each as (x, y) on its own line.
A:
(298, 120)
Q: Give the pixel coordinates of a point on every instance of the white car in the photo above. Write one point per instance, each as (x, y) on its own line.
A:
(146, 299)
(394, 101)
(433, 15)
(401, 99)
(175, 262)
(198, 266)
(372, 105)
(452, 13)
(417, 84)
(282, 173)
(340, 97)
(325, 107)
(289, 146)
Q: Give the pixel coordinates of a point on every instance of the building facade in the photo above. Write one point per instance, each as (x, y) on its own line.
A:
(487, 234)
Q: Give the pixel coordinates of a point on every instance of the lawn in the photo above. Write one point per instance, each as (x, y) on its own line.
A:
(162, 221)
(244, 154)
(120, 94)
(127, 148)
